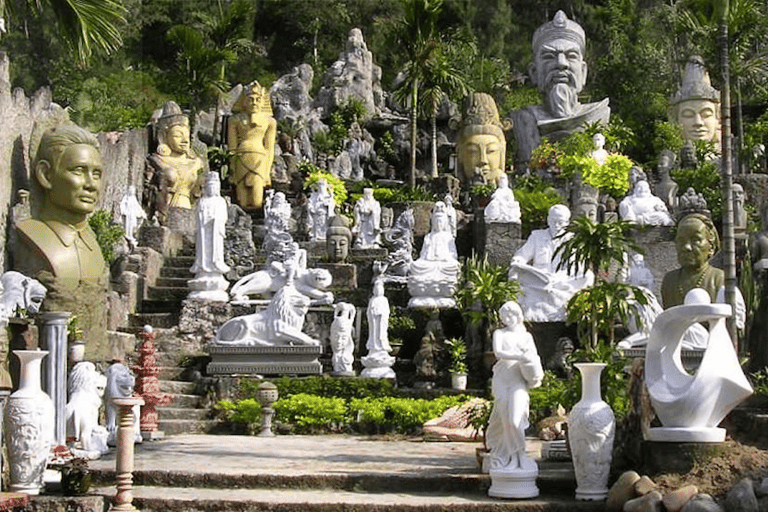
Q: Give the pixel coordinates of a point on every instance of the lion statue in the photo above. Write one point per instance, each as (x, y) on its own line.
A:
(277, 325)
(120, 384)
(86, 388)
(18, 291)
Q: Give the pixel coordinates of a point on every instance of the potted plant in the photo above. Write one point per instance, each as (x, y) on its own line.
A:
(458, 369)
(75, 477)
(75, 342)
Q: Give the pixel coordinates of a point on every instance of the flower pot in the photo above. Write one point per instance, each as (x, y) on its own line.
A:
(591, 427)
(29, 417)
(459, 381)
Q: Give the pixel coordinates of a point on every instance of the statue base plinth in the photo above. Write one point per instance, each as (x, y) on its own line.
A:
(431, 303)
(378, 366)
(686, 435)
(152, 435)
(275, 360)
(344, 275)
(497, 241)
(210, 287)
(513, 483)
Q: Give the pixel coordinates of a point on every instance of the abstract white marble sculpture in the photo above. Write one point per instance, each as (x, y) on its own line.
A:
(378, 363)
(120, 383)
(691, 406)
(86, 391)
(320, 208)
(209, 267)
(432, 278)
(342, 343)
(132, 214)
(367, 228)
(642, 207)
(546, 289)
(518, 368)
(19, 292)
(503, 208)
(279, 324)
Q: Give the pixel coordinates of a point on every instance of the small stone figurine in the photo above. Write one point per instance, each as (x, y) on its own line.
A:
(341, 339)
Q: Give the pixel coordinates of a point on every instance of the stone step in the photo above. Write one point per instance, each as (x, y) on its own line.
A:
(173, 282)
(180, 261)
(167, 293)
(161, 305)
(156, 320)
(183, 401)
(167, 271)
(175, 427)
(177, 387)
(178, 413)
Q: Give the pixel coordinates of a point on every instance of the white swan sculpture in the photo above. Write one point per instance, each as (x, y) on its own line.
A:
(691, 406)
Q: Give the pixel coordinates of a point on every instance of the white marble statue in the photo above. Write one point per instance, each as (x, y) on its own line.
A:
(378, 363)
(367, 228)
(691, 406)
(209, 267)
(639, 273)
(503, 207)
(120, 384)
(342, 343)
(132, 215)
(599, 153)
(399, 241)
(86, 389)
(433, 277)
(546, 290)
(320, 208)
(19, 292)
(451, 212)
(518, 368)
(739, 213)
(279, 324)
(643, 208)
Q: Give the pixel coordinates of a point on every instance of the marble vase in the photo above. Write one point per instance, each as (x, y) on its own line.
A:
(29, 422)
(591, 427)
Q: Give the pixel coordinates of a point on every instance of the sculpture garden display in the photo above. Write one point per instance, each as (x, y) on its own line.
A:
(251, 134)
(559, 72)
(120, 383)
(174, 169)
(518, 368)
(599, 153)
(535, 265)
(378, 363)
(503, 207)
(643, 208)
(367, 226)
(667, 188)
(481, 145)
(399, 240)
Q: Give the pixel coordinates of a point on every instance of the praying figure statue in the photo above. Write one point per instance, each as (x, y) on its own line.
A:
(174, 169)
(517, 369)
(433, 277)
(643, 208)
(132, 214)
(320, 208)
(503, 207)
(535, 265)
(251, 135)
(378, 363)
(696, 105)
(367, 228)
(559, 72)
(209, 266)
(481, 146)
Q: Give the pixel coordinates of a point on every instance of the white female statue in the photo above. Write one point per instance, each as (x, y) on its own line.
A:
(518, 368)
(367, 228)
(132, 214)
(342, 344)
(320, 209)
(378, 363)
(599, 154)
(209, 266)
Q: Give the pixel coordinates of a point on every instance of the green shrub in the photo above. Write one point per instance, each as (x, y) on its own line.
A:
(313, 174)
(705, 180)
(325, 386)
(552, 392)
(107, 233)
(307, 411)
(535, 198)
(401, 413)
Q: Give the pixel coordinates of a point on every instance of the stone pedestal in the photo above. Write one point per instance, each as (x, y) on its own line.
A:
(282, 360)
(496, 241)
(344, 275)
(53, 338)
(182, 221)
(513, 483)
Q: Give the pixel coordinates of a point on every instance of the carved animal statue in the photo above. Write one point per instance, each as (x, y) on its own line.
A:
(311, 282)
(18, 291)
(120, 384)
(86, 387)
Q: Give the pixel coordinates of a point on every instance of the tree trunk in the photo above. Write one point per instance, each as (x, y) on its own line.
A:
(414, 99)
(434, 144)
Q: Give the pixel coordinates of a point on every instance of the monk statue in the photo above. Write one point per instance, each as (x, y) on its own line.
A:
(696, 105)
(251, 134)
(56, 246)
(643, 208)
(481, 146)
(175, 170)
(559, 72)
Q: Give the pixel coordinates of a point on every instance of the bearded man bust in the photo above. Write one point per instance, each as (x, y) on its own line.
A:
(559, 72)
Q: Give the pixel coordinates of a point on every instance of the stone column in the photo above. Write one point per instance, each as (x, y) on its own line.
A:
(53, 338)
(123, 501)
(3, 400)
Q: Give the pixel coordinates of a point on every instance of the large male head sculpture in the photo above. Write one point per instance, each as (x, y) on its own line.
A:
(696, 105)
(338, 238)
(481, 147)
(559, 72)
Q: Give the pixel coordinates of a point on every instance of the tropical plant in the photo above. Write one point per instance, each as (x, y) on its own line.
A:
(613, 381)
(107, 233)
(535, 198)
(458, 352)
(313, 173)
(482, 189)
(218, 160)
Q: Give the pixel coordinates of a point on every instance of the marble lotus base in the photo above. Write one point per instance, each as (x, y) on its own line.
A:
(276, 360)
(513, 483)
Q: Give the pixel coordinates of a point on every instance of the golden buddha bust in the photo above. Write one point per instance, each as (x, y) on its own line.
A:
(481, 147)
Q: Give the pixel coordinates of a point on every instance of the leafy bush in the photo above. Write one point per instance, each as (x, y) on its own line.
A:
(306, 411)
(667, 136)
(482, 190)
(107, 233)
(325, 386)
(545, 398)
(313, 174)
(402, 413)
(759, 381)
(535, 198)
(705, 180)
(458, 351)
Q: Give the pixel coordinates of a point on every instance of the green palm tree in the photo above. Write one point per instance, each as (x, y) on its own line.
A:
(85, 26)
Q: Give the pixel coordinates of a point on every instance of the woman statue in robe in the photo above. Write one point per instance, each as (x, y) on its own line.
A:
(518, 368)
(378, 321)
(211, 229)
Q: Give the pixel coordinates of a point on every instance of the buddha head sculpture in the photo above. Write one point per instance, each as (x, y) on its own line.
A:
(481, 146)
(696, 105)
(338, 238)
(173, 132)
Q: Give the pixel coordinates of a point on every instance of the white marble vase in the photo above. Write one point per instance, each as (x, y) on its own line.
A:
(29, 417)
(591, 427)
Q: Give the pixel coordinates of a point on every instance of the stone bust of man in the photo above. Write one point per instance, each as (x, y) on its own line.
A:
(559, 72)
(696, 105)
(481, 147)
(338, 238)
(68, 169)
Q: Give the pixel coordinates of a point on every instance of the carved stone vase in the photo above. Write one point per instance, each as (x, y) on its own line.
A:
(591, 427)
(29, 417)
